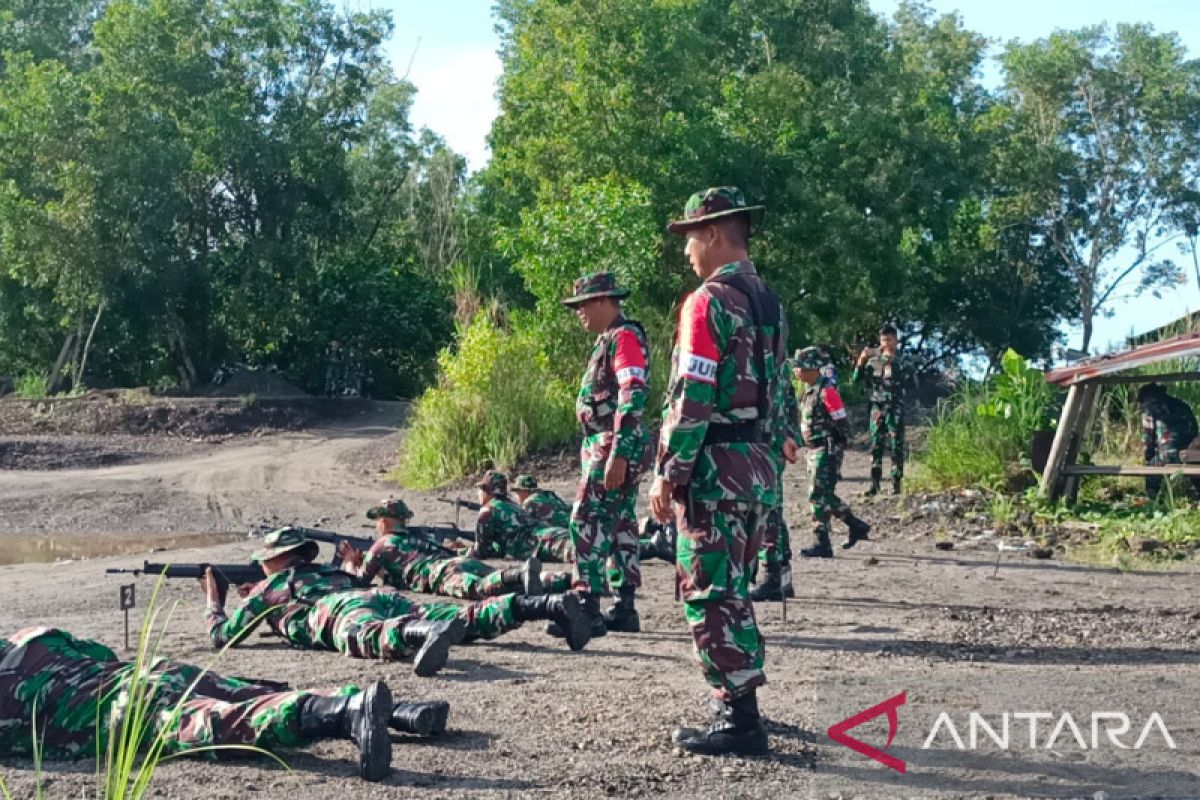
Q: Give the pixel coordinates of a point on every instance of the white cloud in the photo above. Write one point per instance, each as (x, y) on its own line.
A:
(456, 97)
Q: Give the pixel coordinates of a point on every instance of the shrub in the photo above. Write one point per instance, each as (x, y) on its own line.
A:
(496, 400)
(31, 386)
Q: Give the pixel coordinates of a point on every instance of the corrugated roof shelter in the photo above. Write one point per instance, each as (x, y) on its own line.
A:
(1083, 382)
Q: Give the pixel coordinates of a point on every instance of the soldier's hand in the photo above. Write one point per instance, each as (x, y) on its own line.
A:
(614, 473)
(864, 356)
(349, 553)
(660, 500)
(791, 451)
(244, 589)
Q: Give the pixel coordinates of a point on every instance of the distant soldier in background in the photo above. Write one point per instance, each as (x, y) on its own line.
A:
(335, 369)
(616, 448)
(829, 373)
(505, 530)
(543, 504)
(775, 554)
(824, 430)
(888, 373)
(1168, 426)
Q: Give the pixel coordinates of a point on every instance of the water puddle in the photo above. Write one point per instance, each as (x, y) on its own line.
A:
(43, 548)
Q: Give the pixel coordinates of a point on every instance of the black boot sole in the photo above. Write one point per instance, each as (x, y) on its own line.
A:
(434, 652)
(578, 631)
(623, 621)
(371, 735)
(856, 538)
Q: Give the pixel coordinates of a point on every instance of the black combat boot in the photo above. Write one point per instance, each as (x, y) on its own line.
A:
(362, 718)
(422, 719)
(772, 589)
(622, 615)
(896, 485)
(664, 543)
(526, 579)
(820, 548)
(739, 732)
(567, 619)
(433, 640)
(876, 479)
(859, 530)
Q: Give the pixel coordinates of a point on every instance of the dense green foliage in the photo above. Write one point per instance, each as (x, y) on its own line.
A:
(185, 182)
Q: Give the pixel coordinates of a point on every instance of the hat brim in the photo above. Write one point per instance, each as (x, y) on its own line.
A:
(311, 551)
(684, 225)
(617, 294)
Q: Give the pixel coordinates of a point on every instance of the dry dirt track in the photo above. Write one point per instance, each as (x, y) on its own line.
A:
(534, 720)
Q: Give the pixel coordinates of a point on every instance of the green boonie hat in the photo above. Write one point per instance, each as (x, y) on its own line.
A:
(711, 204)
(525, 481)
(284, 540)
(810, 358)
(493, 482)
(395, 509)
(593, 285)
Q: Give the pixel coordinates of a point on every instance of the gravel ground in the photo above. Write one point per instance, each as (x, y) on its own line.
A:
(951, 630)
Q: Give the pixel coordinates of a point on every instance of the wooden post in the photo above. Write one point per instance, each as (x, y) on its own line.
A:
(1086, 419)
(1062, 442)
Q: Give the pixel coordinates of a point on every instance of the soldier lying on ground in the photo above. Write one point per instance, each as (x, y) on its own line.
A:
(319, 607)
(543, 504)
(504, 530)
(409, 560)
(76, 689)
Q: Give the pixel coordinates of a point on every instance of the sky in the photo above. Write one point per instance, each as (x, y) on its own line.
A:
(451, 46)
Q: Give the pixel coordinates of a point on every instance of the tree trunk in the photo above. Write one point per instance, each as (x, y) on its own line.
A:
(87, 346)
(1087, 332)
(55, 377)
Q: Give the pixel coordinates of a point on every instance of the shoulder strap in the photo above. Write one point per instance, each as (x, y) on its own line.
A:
(765, 310)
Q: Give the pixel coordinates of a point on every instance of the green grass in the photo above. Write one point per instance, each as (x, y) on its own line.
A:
(30, 386)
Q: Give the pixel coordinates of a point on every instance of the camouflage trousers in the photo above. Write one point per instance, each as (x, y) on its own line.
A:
(554, 545)
(887, 432)
(777, 541)
(217, 711)
(822, 489)
(462, 578)
(604, 530)
(715, 555)
(370, 623)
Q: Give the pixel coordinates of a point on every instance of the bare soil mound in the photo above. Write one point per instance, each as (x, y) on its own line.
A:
(261, 383)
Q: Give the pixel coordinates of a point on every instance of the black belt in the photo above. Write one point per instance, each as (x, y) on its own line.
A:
(749, 432)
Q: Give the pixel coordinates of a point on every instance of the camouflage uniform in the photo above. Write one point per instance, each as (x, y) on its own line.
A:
(547, 507)
(776, 548)
(609, 407)
(77, 689)
(717, 447)
(1168, 427)
(504, 530)
(318, 607)
(888, 379)
(420, 563)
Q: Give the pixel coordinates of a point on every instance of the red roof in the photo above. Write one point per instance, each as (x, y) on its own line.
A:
(1182, 346)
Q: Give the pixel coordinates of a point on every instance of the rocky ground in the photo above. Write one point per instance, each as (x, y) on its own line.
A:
(970, 630)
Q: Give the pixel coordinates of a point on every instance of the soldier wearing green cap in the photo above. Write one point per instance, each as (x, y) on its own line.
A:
(824, 430)
(716, 472)
(320, 607)
(888, 373)
(505, 530)
(408, 560)
(615, 451)
(543, 504)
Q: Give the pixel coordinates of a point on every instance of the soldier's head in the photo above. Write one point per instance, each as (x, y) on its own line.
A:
(493, 484)
(284, 548)
(807, 364)
(596, 300)
(716, 226)
(523, 486)
(889, 338)
(1150, 395)
(388, 515)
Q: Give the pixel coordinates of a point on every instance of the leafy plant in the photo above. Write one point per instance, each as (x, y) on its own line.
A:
(31, 386)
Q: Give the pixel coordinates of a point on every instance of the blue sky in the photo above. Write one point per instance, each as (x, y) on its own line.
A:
(451, 45)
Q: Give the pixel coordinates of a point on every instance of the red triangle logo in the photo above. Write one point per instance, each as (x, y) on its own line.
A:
(838, 732)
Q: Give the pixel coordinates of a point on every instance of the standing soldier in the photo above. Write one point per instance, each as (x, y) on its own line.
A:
(716, 472)
(335, 369)
(888, 373)
(1168, 426)
(775, 554)
(543, 504)
(824, 431)
(615, 450)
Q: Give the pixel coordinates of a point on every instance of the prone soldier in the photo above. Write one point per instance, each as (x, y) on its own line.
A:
(505, 530)
(70, 691)
(543, 504)
(888, 373)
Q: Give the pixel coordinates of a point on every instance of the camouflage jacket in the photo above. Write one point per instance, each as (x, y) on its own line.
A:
(887, 378)
(546, 506)
(504, 530)
(281, 600)
(50, 668)
(404, 558)
(612, 396)
(1168, 426)
(715, 381)
(823, 421)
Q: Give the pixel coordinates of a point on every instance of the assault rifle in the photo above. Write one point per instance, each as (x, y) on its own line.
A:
(459, 505)
(364, 543)
(225, 574)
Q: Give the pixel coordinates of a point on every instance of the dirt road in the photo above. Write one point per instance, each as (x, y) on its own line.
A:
(950, 630)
